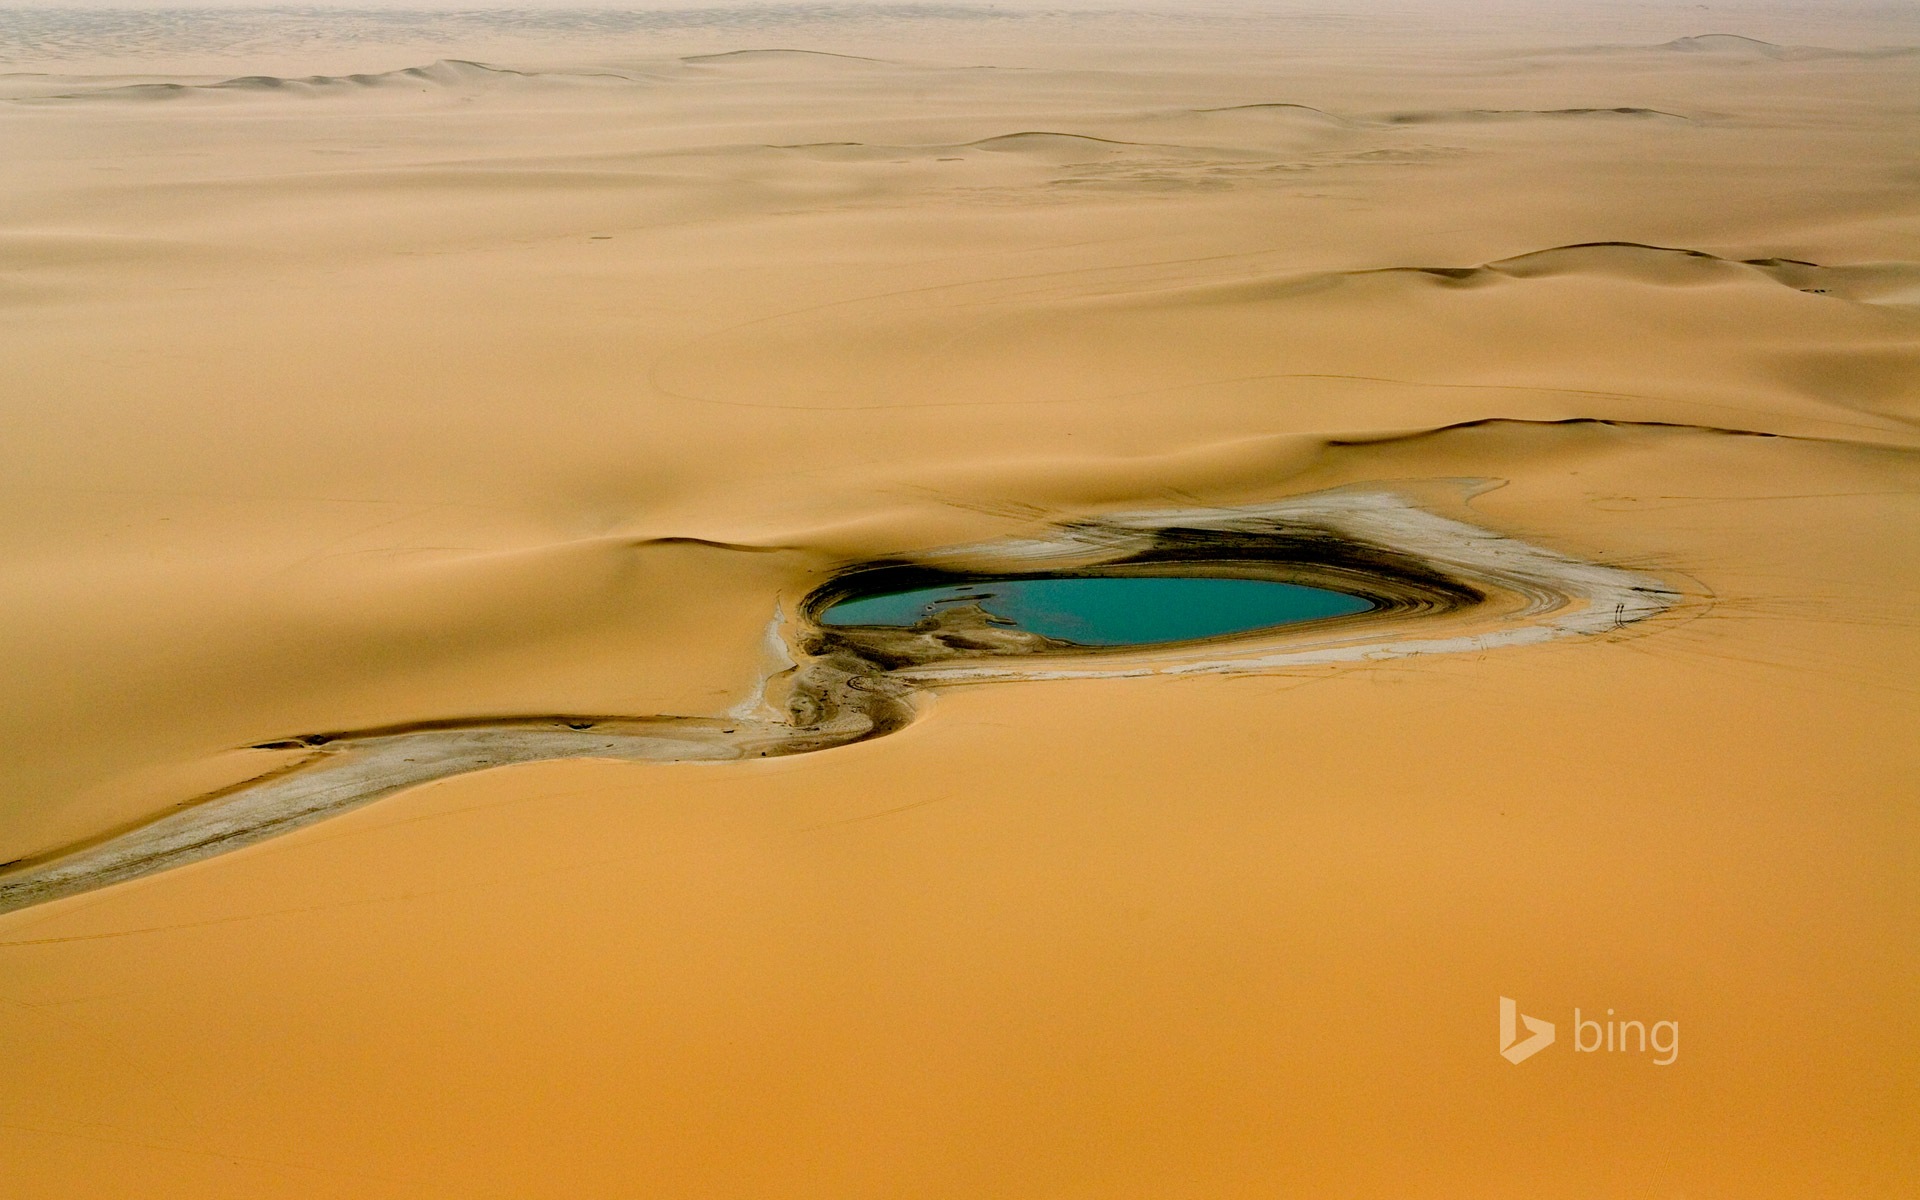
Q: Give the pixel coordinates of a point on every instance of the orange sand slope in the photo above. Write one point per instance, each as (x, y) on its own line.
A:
(347, 390)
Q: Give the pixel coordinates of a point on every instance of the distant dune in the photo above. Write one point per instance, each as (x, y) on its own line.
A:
(784, 57)
(1472, 115)
(1737, 47)
(455, 74)
(1666, 266)
(1726, 43)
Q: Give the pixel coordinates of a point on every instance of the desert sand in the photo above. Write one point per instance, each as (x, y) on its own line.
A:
(432, 376)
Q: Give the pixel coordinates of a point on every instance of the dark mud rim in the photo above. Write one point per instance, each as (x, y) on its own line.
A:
(1390, 581)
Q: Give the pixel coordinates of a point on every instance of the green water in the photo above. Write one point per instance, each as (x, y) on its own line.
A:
(1112, 610)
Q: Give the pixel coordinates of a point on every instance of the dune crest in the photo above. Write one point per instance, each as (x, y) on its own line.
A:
(450, 74)
(1737, 48)
(1471, 115)
(1667, 266)
(1725, 43)
(1276, 108)
(780, 54)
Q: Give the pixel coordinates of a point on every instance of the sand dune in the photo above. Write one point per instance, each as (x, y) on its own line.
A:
(1467, 337)
(1664, 266)
(1065, 148)
(803, 60)
(1058, 149)
(1304, 112)
(447, 73)
(1736, 47)
(427, 770)
(1495, 114)
(1725, 43)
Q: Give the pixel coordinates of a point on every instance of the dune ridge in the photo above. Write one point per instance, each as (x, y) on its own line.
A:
(1888, 283)
(1735, 47)
(446, 73)
(1276, 108)
(1724, 43)
(783, 54)
(1469, 115)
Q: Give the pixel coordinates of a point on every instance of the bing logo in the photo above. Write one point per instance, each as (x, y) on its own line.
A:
(1589, 1036)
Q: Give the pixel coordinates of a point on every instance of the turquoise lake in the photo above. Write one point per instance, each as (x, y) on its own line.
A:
(1111, 610)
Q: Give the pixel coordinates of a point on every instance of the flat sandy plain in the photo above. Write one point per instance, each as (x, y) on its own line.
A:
(367, 371)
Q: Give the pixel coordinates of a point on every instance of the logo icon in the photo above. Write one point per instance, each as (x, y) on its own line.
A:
(1511, 1048)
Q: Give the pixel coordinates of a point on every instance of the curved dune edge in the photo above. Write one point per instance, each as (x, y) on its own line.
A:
(1439, 585)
